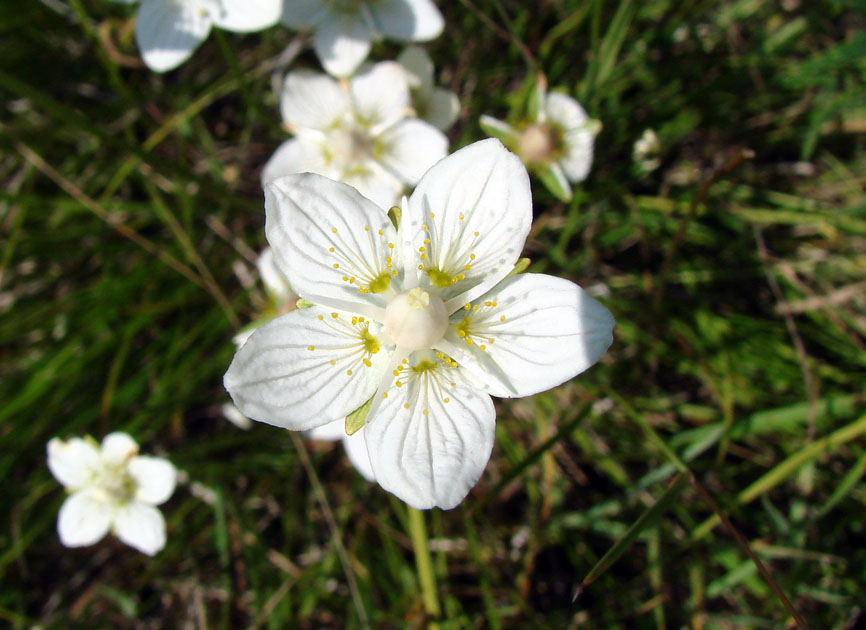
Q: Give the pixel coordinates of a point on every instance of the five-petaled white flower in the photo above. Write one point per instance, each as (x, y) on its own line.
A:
(422, 320)
(556, 144)
(168, 31)
(111, 488)
(437, 106)
(358, 132)
(344, 28)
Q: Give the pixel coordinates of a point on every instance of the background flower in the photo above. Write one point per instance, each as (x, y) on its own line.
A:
(437, 106)
(359, 132)
(112, 488)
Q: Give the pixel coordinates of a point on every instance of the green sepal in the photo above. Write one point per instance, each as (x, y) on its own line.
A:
(536, 97)
(302, 303)
(499, 129)
(396, 215)
(355, 421)
(519, 267)
(555, 183)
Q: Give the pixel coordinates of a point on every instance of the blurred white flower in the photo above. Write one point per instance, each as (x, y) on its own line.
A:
(358, 132)
(556, 143)
(345, 28)
(112, 488)
(355, 444)
(423, 321)
(436, 105)
(646, 151)
(168, 31)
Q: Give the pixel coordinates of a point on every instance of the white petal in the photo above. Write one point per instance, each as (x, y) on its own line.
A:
(375, 183)
(488, 187)
(410, 148)
(294, 156)
(408, 20)
(342, 44)
(329, 432)
(564, 111)
(117, 448)
(276, 378)
(155, 478)
(304, 13)
(74, 462)
(312, 100)
(418, 64)
(356, 449)
(84, 518)
(234, 415)
(246, 16)
(274, 280)
(442, 109)
(380, 95)
(168, 32)
(323, 231)
(552, 330)
(571, 119)
(434, 458)
(140, 526)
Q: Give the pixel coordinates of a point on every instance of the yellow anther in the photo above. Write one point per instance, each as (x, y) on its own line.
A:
(467, 306)
(422, 249)
(502, 318)
(396, 372)
(381, 232)
(405, 405)
(432, 216)
(311, 347)
(321, 317)
(366, 228)
(334, 315)
(461, 216)
(399, 384)
(334, 230)
(336, 265)
(332, 362)
(426, 241)
(331, 249)
(477, 234)
(345, 278)
(471, 256)
(468, 341)
(468, 267)
(384, 394)
(349, 372)
(424, 412)
(483, 347)
(368, 364)
(446, 400)
(390, 245)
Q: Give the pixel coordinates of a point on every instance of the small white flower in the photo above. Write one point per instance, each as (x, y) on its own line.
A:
(112, 488)
(358, 132)
(436, 105)
(355, 444)
(424, 321)
(345, 28)
(646, 151)
(168, 31)
(275, 281)
(556, 143)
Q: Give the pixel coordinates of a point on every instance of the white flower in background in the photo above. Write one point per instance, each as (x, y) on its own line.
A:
(436, 105)
(556, 143)
(358, 132)
(422, 320)
(355, 444)
(112, 488)
(344, 28)
(646, 151)
(168, 31)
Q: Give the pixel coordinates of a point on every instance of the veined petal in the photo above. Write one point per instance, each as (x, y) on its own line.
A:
(168, 32)
(342, 44)
(411, 147)
(380, 95)
(297, 155)
(529, 334)
(304, 13)
(155, 478)
(307, 368)
(246, 16)
(442, 109)
(376, 184)
(84, 518)
(407, 20)
(140, 526)
(431, 437)
(356, 449)
(74, 462)
(471, 212)
(312, 100)
(331, 242)
(117, 448)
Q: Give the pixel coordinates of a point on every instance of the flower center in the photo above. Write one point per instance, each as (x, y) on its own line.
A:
(415, 319)
(118, 485)
(350, 147)
(537, 143)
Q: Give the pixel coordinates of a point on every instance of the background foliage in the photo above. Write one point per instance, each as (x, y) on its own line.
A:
(129, 219)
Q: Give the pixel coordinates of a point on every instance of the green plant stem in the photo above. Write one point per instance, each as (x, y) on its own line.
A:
(423, 562)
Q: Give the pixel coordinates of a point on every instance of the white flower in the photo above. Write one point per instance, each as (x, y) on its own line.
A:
(357, 132)
(355, 444)
(168, 31)
(344, 28)
(437, 106)
(422, 320)
(111, 488)
(556, 143)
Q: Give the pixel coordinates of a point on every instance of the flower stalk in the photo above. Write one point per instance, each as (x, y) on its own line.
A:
(423, 562)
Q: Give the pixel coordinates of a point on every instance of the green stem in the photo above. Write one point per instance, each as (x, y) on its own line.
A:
(423, 562)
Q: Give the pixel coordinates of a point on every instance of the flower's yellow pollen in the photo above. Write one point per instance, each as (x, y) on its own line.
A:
(332, 362)
(390, 246)
(384, 394)
(471, 256)
(311, 347)
(331, 249)
(366, 228)
(462, 217)
(349, 372)
(446, 400)
(426, 241)
(336, 265)
(405, 405)
(424, 412)
(333, 230)
(477, 234)
(321, 317)
(367, 362)
(381, 232)
(502, 318)
(334, 315)
(399, 384)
